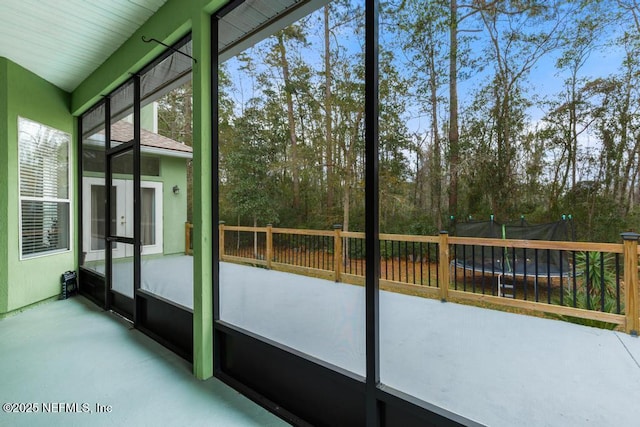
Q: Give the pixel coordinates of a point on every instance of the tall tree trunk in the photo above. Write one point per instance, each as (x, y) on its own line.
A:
(573, 120)
(349, 154)
(346, 202)
(436, 173)
(327, 109)
(454, 136)
(505, 164)
(622, 172)
(292, 125)
(188, 115)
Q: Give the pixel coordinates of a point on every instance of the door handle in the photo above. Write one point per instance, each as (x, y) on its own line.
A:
(122, 220)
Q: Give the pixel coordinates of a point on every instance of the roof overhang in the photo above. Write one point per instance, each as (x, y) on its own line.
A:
(245, 23)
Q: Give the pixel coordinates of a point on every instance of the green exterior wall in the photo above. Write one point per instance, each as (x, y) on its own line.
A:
(148, 117)
(36, 279)
(174, 172)
(4, 205)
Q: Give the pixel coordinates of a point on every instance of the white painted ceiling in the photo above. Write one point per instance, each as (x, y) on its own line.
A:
(64, 41)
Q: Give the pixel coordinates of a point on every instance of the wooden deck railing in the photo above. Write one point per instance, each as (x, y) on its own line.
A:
(188, 238)
(600, 284)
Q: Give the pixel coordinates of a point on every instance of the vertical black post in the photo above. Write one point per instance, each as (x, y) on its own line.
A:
(372, 212)
(215, 216)
(421, 258)
(386, 259)
(79, 191)
(464, 270)
(574, 276)
(482, 249)
(513, 268)
(617, 283)
(137, 211)
(548, 276)
(437, 254)
(602, 284)
(413, 261)
(536, 274)
(406, 263)
(587, 271)
(561, 273)
(108, 254)
(428, 263)
(326, 251)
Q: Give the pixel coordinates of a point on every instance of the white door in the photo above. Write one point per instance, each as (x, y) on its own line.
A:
(122, 214)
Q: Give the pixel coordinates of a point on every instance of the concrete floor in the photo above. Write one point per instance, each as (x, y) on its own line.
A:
(496, 368)
(67, 352)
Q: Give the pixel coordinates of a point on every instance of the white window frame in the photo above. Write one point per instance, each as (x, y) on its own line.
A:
(44, 199)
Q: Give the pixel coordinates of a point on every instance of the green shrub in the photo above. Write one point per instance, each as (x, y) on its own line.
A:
(597, 272)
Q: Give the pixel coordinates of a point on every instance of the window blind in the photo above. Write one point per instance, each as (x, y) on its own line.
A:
(44, 188)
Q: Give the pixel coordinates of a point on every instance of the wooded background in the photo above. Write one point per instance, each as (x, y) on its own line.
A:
(521, 107)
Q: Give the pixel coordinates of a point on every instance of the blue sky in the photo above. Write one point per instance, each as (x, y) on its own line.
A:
(544, 78)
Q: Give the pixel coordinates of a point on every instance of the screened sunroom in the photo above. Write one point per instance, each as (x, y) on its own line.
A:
(268, 205)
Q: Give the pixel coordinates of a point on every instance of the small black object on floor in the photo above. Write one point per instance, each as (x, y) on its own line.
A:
(69, 281)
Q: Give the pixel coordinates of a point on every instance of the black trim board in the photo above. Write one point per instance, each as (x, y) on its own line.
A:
(405, 410)
(92, 285)
(307, 391)
(315, 393)
(166, 322)
(121, 304)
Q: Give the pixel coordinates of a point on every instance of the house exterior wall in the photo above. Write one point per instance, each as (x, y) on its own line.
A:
(4, 105)
(173, 172)
(26, 282)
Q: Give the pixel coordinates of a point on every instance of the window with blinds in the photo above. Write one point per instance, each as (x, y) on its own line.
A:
(44, 188)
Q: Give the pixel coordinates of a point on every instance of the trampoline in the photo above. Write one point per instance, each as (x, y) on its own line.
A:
(508, 265)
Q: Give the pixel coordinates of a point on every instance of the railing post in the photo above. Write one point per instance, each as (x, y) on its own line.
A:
(221, 239)
(187, 238)
(631, 305)
(337, 252)
(443, 265)
(269, 253)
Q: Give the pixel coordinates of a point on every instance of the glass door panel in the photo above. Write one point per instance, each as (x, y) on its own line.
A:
(93, 195)
(94, 219)
(122, 223)
(122, 172)
(122, 271)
